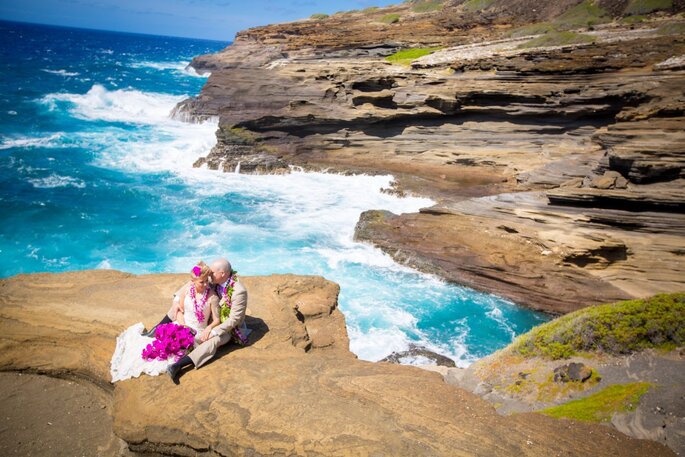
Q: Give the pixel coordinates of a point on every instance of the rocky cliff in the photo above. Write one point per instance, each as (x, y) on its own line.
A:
(550, 136)
(294, 390)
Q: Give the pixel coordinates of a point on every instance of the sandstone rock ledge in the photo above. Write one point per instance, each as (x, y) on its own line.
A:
(296, 390)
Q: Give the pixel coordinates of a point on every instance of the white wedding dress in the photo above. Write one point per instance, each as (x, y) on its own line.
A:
(127, 361)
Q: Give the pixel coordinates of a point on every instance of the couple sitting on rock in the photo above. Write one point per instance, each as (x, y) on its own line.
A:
(212, 305)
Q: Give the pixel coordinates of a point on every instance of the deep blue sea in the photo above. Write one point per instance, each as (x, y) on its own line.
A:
(94, 174)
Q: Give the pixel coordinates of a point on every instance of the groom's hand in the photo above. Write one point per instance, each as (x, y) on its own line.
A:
(205, 334)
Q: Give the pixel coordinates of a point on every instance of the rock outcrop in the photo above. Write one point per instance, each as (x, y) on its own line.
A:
(294, 390)
(583, 141)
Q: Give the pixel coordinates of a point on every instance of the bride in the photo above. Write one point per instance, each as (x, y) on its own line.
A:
(198, 301)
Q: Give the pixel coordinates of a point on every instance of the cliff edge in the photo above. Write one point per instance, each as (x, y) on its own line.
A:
(295, 390)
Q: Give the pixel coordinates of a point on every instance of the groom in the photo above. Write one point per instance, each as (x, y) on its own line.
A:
(210, 341)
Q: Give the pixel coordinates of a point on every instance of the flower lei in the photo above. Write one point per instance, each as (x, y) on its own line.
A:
(170, 340)
(199, 313)
(226, 304)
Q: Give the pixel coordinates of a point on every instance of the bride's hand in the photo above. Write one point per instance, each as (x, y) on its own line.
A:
(205, 334)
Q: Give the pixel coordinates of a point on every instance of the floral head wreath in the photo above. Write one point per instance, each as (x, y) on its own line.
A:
(197, 271)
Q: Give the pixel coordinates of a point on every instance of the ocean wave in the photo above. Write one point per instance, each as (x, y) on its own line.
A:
(181, 67)
(61, 72)
(121, 105)
(32, 142)
(55, 180)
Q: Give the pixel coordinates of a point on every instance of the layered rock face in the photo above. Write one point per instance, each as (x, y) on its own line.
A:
(294, 390)
(557, 171)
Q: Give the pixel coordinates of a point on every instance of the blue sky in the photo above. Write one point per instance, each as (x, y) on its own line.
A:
(212, 19)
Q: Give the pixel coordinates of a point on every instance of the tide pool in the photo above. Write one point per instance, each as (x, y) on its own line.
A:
(94, 174)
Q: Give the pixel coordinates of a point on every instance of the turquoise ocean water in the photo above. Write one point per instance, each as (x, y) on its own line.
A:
(94, 174)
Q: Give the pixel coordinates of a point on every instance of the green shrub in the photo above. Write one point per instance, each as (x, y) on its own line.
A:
(647, 6)
(532, 29)
(633, 19)
(672, 28)
(318, 16)
(617, 328)
(583, 14)
(599, 407)
(557, 39)
(426, 6)
(405, 56)
(370, 9)
(477, 5)
(390, 18)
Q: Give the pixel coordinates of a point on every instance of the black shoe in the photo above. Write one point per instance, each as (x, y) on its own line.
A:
(173, 370)
(151, 332)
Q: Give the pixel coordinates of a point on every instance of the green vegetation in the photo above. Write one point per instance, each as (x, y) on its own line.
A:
(584, 14)
(390, 18)
(318, 16)
(237, 135)
(633, 19)
(647, 6)
(425, 6)
(405, 56)
(370, 9)
(477, 5)
(599, 407)
(618, 328)
(557, 39)
(532, 29)
(672, 28)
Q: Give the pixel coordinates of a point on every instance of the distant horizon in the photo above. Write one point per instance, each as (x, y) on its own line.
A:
(213, 20)
(91, 29)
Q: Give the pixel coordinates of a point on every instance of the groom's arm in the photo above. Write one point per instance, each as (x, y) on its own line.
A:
(238, 308)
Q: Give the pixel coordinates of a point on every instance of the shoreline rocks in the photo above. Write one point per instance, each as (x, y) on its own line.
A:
(590, 136)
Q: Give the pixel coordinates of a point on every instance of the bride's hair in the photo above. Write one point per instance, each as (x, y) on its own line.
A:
(201, 271)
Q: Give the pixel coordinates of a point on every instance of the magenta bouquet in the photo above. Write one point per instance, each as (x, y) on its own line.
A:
(170, 340)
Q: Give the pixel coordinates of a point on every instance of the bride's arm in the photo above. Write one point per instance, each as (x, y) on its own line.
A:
(216, 318)
(216, 315)
(179, 312)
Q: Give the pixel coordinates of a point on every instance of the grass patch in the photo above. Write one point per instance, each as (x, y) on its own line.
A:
(557, 39)
(370, 9)
(532, 29)
(599, 407)
(636, 7)
(633, 19)
(584, 14)
(390, 18)
(318, 16)
(477, 5)
(673, 28)
(425, 6)
(617, 328)
(405, 56)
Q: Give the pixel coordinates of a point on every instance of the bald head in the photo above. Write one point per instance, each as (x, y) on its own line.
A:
(221, 270)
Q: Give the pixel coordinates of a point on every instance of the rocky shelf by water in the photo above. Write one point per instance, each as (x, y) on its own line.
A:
(294, 390)
(557, 169)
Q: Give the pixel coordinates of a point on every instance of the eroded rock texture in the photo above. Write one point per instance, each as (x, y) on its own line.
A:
(584, 141)
(295, 390)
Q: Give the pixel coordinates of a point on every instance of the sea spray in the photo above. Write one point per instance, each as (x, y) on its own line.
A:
(103, 178)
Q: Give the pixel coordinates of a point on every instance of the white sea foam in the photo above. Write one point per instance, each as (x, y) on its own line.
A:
(55, 180)
(32, 142)
(316, 212)
(61, 72)
(181, 67)
(122, 105)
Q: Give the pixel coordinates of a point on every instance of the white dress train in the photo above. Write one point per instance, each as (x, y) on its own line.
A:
(127, 360)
